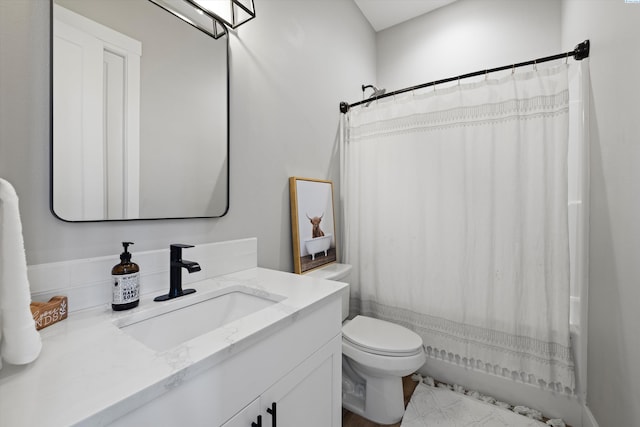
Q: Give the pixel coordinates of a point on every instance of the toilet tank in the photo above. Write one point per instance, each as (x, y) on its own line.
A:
(339, 273)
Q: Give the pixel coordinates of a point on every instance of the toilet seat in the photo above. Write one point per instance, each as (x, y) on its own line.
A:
(382, 338)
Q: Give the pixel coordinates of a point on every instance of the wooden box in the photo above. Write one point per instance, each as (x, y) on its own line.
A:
(48, 313)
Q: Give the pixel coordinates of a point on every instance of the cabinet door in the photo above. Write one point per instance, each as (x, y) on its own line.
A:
(246, 417)
(310, 395)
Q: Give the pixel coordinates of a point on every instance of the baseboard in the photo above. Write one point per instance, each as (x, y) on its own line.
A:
(588, 420)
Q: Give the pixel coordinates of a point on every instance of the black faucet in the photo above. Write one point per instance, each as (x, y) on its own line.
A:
(176, 264)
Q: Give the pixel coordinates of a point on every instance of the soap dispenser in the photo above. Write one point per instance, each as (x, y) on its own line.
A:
(126, 282)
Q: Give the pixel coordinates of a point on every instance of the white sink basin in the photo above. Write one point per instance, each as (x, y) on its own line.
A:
(185, 318)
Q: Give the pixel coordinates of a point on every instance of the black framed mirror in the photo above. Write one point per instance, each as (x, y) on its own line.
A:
(140, 121)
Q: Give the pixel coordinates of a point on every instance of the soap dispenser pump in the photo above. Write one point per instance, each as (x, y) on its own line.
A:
(126, 282)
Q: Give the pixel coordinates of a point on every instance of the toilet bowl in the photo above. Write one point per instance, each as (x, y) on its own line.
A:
(376, 354)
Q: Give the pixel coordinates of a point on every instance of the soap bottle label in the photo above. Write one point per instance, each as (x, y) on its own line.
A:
(126, 288)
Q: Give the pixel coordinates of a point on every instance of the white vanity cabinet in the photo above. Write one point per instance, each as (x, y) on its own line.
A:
(304, 397)
(94, 371)
(297, 367)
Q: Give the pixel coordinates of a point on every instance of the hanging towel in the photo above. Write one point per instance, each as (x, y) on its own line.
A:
(19, 341)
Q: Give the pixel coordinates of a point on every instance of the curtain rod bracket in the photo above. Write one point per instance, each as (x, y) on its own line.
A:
(581, 51)
(344, 107)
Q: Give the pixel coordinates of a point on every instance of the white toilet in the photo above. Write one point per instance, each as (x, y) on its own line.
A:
(375, 356)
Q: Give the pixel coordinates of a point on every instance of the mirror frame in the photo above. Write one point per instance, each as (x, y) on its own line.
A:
(51, 126)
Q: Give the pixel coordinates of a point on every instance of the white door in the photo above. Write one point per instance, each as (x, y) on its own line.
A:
(77, 67)
(96, 103)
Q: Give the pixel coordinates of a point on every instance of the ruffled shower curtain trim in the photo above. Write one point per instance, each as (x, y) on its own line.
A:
(548, 356)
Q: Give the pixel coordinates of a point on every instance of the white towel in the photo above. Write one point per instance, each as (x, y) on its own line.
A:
(19, 341)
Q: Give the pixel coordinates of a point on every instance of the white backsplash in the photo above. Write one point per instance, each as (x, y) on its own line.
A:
(87, 282)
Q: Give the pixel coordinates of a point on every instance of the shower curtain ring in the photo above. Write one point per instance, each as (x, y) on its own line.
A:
(513, 69)
(566, 58)
(535, 65)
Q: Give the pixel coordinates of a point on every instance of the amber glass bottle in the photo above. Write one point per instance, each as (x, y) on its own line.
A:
(126, 282)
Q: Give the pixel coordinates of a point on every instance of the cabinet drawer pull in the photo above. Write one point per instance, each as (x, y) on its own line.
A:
(259, 423)
(272, 411)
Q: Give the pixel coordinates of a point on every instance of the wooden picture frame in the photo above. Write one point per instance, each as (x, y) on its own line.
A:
(312, 223)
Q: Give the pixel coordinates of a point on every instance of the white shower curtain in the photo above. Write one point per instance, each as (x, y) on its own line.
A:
(455, 206)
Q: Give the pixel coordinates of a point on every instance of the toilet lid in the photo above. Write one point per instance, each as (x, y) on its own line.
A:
(380, 337)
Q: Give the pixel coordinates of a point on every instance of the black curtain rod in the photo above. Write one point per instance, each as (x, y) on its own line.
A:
(580, 52)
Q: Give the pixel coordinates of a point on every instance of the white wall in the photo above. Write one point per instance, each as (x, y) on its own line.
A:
(290, 68)
(466, 36)
(614, 275)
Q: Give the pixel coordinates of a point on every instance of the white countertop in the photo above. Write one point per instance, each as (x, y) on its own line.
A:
(90, 372)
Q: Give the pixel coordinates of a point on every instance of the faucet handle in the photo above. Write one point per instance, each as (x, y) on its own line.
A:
(176, 250)
(180, 246)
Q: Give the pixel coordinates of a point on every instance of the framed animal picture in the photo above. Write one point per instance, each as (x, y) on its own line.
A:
(312, 223)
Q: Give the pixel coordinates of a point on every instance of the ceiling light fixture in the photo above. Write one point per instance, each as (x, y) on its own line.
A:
(212, 17)
(232, 12)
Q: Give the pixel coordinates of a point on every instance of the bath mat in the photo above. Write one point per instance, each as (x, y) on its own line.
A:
(441, 407)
